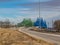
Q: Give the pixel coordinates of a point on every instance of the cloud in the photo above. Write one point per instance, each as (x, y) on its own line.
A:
(50, 9)
(17, 10)
(12, 10)
(52, 3)
(20, 18)
(17, 14)
(32, 6)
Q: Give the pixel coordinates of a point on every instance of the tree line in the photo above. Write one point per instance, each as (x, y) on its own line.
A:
(26, 23)
(6, 24)
(30, 23)
(57, 25)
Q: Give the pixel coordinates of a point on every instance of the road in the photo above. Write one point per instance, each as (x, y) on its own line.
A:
(45, 36)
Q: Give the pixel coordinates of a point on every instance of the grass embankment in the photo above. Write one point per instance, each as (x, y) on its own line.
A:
(14, 37)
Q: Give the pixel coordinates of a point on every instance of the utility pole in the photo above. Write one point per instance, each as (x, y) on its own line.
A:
(39, 16)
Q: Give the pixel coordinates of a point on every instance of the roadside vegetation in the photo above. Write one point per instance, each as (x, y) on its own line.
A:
(57, 25)
(35, 25)
(14, 37)
(26, 23)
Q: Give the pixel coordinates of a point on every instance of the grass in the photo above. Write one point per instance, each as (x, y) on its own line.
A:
(14, 37)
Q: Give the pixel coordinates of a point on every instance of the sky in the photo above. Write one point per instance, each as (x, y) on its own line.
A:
(50, 10)
(17, 10)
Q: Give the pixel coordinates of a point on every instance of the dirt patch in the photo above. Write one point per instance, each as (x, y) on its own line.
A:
(14, 37)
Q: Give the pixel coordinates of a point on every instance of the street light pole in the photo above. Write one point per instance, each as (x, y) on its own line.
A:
(39, 17)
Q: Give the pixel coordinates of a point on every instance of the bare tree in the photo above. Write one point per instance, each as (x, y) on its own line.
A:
(5, 24)
(57, 25)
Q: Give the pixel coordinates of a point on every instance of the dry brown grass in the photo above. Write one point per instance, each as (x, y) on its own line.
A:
(14, 37)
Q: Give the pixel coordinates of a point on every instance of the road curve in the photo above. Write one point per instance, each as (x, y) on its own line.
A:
(46, 36)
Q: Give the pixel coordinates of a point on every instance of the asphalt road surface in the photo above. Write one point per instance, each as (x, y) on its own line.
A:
(46, 36)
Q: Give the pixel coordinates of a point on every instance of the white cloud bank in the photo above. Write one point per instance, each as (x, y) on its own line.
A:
(16, 15)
